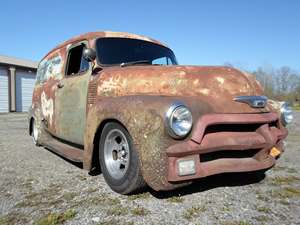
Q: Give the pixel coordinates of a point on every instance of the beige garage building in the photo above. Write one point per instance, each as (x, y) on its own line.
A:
(17, 79)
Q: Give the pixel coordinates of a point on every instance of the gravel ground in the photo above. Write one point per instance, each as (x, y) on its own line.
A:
(39, 187)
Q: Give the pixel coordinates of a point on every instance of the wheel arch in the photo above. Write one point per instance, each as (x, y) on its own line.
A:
(95, 154)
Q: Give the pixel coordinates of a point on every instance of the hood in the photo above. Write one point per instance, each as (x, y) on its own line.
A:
(217, 86)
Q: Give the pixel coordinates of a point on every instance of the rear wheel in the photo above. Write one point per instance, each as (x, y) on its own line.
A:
(119, 161)
(35, 132)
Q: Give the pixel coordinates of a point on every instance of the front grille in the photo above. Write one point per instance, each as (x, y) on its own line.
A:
(236, 127)
(228, 154)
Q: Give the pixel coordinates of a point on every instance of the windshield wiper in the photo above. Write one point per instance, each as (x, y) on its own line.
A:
(136, 62)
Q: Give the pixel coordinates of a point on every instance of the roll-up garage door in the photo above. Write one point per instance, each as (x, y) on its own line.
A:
(24, 87)
(3, 90)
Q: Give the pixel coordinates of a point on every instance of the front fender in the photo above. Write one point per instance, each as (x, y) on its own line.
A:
(143, 117)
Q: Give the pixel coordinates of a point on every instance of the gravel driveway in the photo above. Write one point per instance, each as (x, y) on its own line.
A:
(39, 187)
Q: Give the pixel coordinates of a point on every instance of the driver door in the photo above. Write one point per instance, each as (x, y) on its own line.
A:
(71, 96)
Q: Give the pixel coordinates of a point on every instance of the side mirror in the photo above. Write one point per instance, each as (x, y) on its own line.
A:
(89, 54)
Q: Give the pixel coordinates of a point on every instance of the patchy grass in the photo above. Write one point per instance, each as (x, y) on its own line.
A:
(45, 197)
(98, 199)
(263, 209)
(296, 108)
(281, 194)
(114, 200)
(117, 210)
(175, 199)
(283, 168)
(280, 180)
(129, 223)
(104, 199)
(3, 221)
(81, 177)
(284, 202)
(292, 170)
(261, 196)
(225, 209)
(193, 212)
(69, 195)
(278, 168)
(57, 218)
(92, 190)
(139, 196)
(140, 211)
(286, 193)
(112, 221)
(261, 218)
(13, 218)
(241, 222)
(292, 138)
(27, 184)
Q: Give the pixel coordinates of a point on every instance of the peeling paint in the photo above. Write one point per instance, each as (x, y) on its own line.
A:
(204, 91)
(220, 80)
(47, 107)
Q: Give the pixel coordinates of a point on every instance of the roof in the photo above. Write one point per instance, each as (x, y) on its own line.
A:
(103, 34)
(18, 62)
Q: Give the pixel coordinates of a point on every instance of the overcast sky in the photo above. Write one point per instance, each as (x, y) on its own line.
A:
(213, 32)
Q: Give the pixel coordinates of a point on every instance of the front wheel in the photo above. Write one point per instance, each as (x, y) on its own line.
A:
(118, 160)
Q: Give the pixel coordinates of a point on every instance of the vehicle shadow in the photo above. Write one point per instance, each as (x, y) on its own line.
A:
(211, 182)
(200, 185)
(95, 171)
(77, 164)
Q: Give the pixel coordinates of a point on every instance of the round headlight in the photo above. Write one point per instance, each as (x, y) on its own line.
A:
(286, 114)
(179, 120)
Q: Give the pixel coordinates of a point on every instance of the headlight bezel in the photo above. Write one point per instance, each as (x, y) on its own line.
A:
(286, 114)
(169, 120)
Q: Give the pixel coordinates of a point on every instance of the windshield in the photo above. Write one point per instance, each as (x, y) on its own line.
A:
(119, 51)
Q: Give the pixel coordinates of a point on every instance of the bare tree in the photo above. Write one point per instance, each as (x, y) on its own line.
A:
(280, 84)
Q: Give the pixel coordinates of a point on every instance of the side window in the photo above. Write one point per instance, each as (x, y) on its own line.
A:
(54, 67)
(41, 71)
(160, 61)
(49, 68)
(76, 62)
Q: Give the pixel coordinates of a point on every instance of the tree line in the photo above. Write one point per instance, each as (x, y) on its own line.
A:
(281, 84)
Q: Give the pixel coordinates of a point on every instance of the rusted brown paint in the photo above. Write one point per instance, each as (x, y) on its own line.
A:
(267, 135)
(139, 96)
(218, 85)
(91, 36)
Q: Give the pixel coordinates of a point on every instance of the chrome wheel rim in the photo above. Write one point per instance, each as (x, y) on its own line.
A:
(35, 132)
(116, 153)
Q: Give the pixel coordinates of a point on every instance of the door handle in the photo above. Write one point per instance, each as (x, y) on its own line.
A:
(60, 85)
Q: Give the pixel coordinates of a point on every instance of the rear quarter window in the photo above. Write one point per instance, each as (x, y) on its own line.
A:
(49, 68)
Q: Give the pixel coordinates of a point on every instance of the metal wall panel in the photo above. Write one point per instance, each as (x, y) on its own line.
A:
(24, 87)
(4, 104)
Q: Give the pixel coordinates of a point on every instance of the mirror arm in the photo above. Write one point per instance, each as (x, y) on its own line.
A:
(95, 68)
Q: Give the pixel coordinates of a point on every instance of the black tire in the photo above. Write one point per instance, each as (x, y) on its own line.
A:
(35, 128)
(132, 180)
(261, 174)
